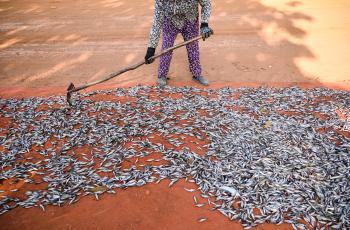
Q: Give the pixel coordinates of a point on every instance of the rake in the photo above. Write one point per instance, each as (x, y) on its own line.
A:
(72, 89)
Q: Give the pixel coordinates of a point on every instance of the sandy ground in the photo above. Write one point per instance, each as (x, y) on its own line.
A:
(52, 43)
(45, 45)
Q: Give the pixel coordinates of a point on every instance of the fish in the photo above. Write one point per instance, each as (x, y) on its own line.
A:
(200, 220)
(242, 159)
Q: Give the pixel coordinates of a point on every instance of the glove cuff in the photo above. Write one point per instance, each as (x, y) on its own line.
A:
(204, 24)
(151, 49)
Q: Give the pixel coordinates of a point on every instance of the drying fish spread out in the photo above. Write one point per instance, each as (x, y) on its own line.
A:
(257, 164)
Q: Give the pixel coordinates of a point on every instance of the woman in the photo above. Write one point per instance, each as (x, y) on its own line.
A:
(173, 17)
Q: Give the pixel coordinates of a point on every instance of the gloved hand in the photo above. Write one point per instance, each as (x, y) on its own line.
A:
(150, 53)
(206, 31)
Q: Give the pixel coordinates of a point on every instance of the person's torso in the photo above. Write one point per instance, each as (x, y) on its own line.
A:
(180, 10)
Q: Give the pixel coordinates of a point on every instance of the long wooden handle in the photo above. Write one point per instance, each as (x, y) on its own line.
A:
(132, 67)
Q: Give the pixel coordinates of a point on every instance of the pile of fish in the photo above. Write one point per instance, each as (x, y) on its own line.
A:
(257, 165)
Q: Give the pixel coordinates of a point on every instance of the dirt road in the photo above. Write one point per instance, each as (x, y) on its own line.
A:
(51, 43)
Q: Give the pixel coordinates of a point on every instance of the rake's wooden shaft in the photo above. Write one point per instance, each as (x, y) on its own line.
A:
(132, 67)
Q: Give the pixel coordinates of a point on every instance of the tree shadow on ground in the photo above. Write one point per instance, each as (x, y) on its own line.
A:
(260, 43)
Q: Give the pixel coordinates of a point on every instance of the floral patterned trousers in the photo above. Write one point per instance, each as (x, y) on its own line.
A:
(189, 31)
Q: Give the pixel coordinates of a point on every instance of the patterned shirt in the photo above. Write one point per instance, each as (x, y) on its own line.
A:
(178, 11)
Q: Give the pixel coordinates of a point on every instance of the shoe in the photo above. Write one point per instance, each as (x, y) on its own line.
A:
(162, 81)
(201, 80)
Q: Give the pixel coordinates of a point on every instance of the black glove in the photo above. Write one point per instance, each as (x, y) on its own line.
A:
(150, 53)
(206, 31)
